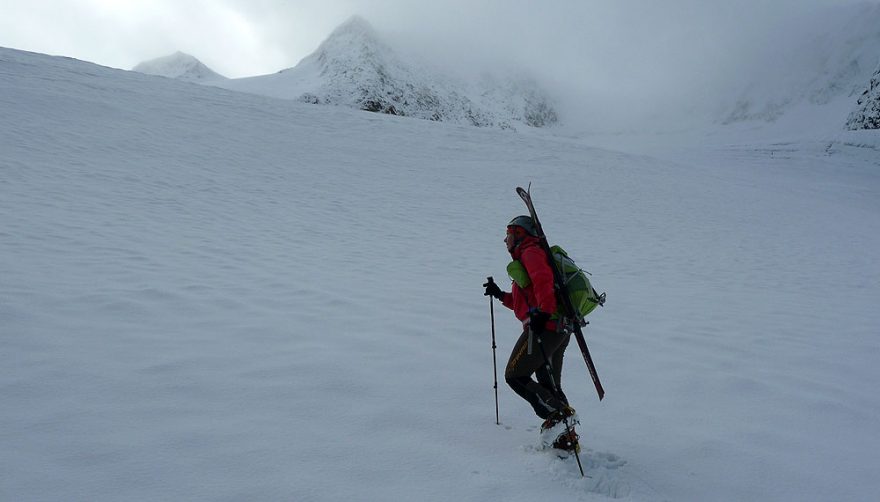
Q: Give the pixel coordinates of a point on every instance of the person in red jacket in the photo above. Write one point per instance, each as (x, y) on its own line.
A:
(534, 303)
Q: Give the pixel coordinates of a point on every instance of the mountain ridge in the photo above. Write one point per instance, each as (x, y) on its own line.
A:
(354, 67)
(180, 66)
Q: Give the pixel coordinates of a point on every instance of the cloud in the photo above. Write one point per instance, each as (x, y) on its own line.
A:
(651, 53)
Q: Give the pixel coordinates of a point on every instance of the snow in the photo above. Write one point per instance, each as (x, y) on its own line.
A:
(212, 295)
(813, 60)
(867, 112)
(181, 66)
(354, 67)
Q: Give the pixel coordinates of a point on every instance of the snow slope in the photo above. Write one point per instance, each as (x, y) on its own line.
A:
(355, 68)
(180, 66)
(821, 61)
(210, 295)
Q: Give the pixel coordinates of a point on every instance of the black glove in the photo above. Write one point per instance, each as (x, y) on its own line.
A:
(493, 290)
(538, 320)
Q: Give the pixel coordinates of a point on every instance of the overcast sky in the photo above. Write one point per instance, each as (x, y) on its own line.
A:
(600, 44)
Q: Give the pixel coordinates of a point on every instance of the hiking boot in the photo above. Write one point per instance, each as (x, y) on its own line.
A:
(568, 441)
(558, 417)
(555, 424)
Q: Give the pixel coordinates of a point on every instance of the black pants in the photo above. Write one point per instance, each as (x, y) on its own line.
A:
(521, 366)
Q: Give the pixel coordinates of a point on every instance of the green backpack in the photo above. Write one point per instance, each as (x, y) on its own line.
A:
(583, 297)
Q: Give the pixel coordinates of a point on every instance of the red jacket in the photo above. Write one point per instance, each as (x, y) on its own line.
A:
(540, 293)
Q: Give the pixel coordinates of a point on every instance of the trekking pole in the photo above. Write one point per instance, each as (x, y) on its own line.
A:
(494, 362)
(558, 394)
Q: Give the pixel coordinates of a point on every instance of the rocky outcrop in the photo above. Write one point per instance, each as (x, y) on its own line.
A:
(867, 112)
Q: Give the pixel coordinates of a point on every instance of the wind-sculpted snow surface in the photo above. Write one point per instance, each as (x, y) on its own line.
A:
(211, 295)
(354, 68)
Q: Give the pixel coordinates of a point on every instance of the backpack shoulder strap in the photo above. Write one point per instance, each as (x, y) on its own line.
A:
(517, 271)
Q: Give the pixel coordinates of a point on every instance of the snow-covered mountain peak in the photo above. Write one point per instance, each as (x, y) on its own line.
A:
(354, 28)
(353, 38)
(356, 68)
(180, 66)
(352, 49)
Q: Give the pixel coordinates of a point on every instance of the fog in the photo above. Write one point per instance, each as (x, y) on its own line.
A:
(600, 58)
(624, 63)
